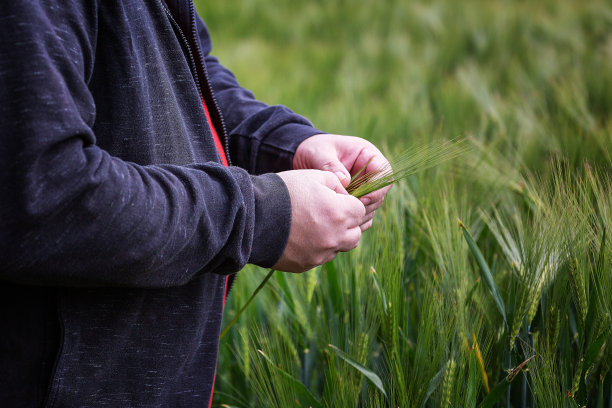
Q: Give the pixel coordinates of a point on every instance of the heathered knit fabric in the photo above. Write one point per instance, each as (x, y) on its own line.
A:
(118, 224)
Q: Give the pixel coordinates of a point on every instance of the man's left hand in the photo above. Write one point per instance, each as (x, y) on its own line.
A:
(344, 156)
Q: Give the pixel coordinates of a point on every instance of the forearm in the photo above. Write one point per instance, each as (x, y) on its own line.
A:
(128, 225)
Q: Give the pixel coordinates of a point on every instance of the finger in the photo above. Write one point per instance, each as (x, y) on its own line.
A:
(333, 165)
(366, 226)
(367, 219)
(353, 208)
(332, 181)
(351, 240)
(373, 207)
(375, 199)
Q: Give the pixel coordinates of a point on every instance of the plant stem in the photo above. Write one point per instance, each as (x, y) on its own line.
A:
(261, 285)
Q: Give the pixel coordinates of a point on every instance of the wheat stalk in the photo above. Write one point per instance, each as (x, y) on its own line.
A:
(448, 383)
(406, 164)
(577, 283)
(364, 182)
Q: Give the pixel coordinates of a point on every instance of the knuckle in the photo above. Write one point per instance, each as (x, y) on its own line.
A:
(355, 204)
(327, 164)
(337, 216)
(328, 242)
(361, 210)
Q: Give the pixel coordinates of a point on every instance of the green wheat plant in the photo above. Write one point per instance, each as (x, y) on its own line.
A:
(510, 308)
(363, 182)
(411, 161)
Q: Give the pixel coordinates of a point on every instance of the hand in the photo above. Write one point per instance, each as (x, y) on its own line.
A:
(344, 156)
(325, 220)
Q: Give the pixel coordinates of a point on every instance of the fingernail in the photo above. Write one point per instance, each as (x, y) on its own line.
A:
(366, 200)
(341, 176)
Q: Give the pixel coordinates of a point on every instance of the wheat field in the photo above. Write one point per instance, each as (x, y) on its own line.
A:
(485, 281)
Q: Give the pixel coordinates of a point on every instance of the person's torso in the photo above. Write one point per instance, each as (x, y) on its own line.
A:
(118, 346)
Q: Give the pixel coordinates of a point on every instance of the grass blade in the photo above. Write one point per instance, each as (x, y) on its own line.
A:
(379, 289)
(433, 384)
(497, 393)
(255, 292)
(370, 375)
(593, 350)
(483, 371)
(304, 395)
(485, 272)
(334, 286)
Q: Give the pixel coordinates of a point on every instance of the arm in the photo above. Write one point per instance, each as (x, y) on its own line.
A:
(266, 138)
(263, 138)
(72, 214)
(273, 138)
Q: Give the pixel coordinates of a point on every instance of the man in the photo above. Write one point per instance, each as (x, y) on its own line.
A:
(121, 216)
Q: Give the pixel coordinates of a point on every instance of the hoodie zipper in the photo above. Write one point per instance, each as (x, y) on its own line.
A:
(225, 139)
(212, 100)
(196, 61)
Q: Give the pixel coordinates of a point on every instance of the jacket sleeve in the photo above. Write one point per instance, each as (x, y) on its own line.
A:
(73, 215)
(263, 138)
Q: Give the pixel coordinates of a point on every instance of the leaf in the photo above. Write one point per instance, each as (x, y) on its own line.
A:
(304, 395)
(334, 287)
(497, 392)
(485, 272)
(370, 375)
(287, 295)
(600, 396)
(593, 350)
(433, 384)
(572, 402)
(483, 371)
(468, 298)
(472, 382)
(379, 289)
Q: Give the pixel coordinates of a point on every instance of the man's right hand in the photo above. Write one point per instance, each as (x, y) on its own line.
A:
(325, 220)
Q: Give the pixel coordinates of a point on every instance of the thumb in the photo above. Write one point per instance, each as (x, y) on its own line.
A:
(331, 181)
(335, 166)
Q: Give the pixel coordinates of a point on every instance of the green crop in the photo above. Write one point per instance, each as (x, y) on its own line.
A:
(510, 308)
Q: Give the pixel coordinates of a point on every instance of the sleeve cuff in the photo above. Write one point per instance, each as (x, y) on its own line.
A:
(272, 219)
(277, 151)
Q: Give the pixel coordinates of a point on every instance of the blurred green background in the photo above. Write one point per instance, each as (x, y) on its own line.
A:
(392, 71)
(530, 82)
